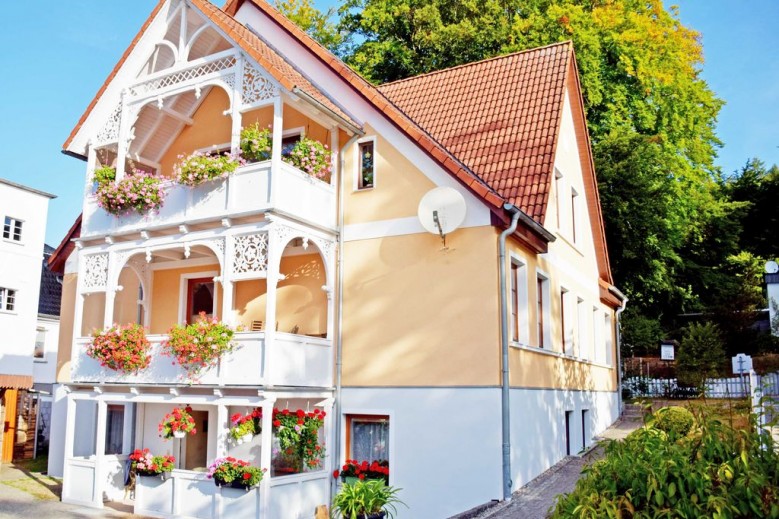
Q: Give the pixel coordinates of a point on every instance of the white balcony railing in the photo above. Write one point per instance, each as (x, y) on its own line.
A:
(293, 360)
(253, 188)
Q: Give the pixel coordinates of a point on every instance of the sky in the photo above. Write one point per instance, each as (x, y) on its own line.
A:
(57, 54)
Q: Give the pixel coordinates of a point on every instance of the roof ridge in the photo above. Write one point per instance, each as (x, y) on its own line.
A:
(472, 63)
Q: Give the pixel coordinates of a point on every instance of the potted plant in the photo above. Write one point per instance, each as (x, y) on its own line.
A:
(366, 500)
(234, 473)
(244, 427)
(256, 143)
(146, 464)
(201, 167)
(121, 348)
(137, 191)
(199, 345)
(353, 471)
(177, 424)
(311, 157)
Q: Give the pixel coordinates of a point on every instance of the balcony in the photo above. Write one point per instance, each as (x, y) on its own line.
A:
(289, 360)
(252, 189)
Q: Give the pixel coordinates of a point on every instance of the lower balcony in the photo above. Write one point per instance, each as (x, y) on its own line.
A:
(252, 189)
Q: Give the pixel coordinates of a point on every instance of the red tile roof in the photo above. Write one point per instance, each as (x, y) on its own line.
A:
(15, 381)
(499, 116)
(60, 255)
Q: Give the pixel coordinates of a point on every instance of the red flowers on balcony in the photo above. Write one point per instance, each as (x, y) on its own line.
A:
(121, 348)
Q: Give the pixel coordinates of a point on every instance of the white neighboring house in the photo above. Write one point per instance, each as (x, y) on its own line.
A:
(23, 213)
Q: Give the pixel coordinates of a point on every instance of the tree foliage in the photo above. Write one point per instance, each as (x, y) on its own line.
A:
(700, 354)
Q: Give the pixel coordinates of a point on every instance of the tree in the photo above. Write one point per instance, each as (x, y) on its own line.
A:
(315, 22)
(641, 335)
(700, 354)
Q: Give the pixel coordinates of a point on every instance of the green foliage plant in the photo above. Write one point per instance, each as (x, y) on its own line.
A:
(365, 499)
(298, 435)
(199, 345)
(311, 157)
(716, 471)
(675, 421)
(104, 174)
(700, 355)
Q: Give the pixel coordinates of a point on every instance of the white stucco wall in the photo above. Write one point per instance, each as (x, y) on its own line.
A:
(45, 369)
(20, 270)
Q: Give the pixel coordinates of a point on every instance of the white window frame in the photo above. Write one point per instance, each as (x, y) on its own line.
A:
(10, 238)
(42, 358)
(559, 187)
(581, 328)
(4, 300)
(566, 322)
(546, 328)
(183, 281)
(358, 163)
(574, 216)
(521, 302)
(608, 334)
(597, 335)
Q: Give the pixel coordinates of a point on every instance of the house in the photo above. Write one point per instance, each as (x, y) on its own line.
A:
(471, 364)
(23, 212)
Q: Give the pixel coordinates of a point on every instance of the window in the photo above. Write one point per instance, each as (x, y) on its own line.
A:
(114, 429)
(608, 332)
(580, 329)
(558, 185)
(566, 322)
(542, 309)
(514, 301)
(366, 167)
(288, 143)
(7, 299)
(597, 335)
(367, 437)
(574, 210)
(519, 329)
(40, 343)
(12, 229)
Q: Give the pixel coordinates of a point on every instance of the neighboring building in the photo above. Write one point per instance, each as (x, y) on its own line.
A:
(23, 212)
(397, 338)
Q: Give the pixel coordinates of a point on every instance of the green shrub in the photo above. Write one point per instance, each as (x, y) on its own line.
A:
(716, 472)
(676, 421)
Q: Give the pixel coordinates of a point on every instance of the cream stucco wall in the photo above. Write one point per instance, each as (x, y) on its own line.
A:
(166, 290)
(67, 307)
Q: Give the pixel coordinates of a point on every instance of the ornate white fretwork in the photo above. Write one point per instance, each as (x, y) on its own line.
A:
(181, 76)
(110, 130)
(95, 271)
(256, 87)
(250, 253)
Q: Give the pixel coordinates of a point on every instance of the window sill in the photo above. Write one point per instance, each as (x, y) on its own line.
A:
(15, 242)
(542, 351)
(8, 312)
(40, 361)
(363, 189)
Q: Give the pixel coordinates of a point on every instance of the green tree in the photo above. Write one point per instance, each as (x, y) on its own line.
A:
(641, 335)
(316, 23)
(700, 354)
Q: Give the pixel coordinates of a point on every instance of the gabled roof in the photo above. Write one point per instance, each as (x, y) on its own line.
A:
(499, 116)
(60, 255)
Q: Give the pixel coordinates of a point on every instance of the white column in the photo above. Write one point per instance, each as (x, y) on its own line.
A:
(91, 164)
(329, 464)
(265, 453)
(221, 435)
(228, 287)
(112, 281)
(70, 435)
(121, 146)
(333, 155)
(235, 108)
(275, 156)
(97, 496)
(329, 262)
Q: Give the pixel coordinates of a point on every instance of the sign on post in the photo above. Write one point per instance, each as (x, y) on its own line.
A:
(742, 364)
(667, 351)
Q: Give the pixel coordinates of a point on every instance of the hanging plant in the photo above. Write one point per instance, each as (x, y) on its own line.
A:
(298, 435)
(201, 167)
(256, 143)
(121, 348)
(244, 427)
(199, 345)
(177, 424)
(138, 191)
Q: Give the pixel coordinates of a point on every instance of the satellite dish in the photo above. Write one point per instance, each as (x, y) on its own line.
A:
(441, 211)
(771, 267)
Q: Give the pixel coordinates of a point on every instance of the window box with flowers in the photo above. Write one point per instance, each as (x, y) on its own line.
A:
(244, 427)
(235, 473)
(353, 471)
(200, 167)
(144, 463)
(138, 192)
(297, 446)
(121, 348)
(177, 424)
(256, 143)
(199, 345)
(308, 155)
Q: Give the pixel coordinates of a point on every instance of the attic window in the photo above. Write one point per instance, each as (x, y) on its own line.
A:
(366, 167)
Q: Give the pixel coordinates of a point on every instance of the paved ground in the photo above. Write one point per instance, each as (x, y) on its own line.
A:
(33, 495)
(534, 500)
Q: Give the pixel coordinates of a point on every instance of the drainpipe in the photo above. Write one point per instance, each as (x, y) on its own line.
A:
(504, 339)
(620, 295)
(339, 294)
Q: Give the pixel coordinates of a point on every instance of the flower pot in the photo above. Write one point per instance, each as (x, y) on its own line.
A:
(351, 480)
(232, 484)
(246, 438)
(179, 434)
(377, 515)
(162, 475)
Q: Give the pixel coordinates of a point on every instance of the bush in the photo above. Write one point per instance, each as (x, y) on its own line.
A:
(716, 472)
(700, 355)
(676, 421)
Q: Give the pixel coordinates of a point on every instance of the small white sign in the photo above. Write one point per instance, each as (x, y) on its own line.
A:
(742, 363)
(666, 352)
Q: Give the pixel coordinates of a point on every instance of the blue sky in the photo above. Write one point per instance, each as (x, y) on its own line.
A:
(57, 54)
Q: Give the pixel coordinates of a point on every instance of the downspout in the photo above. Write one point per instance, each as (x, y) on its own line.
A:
(614, 290)
(504, 338)
(339, 294)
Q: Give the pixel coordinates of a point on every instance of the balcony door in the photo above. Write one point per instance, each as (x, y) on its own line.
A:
(200, 298)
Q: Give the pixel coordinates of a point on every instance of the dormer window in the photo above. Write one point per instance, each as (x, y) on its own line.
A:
(12, 229)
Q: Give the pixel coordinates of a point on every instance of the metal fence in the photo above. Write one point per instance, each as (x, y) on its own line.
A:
(732, 387)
